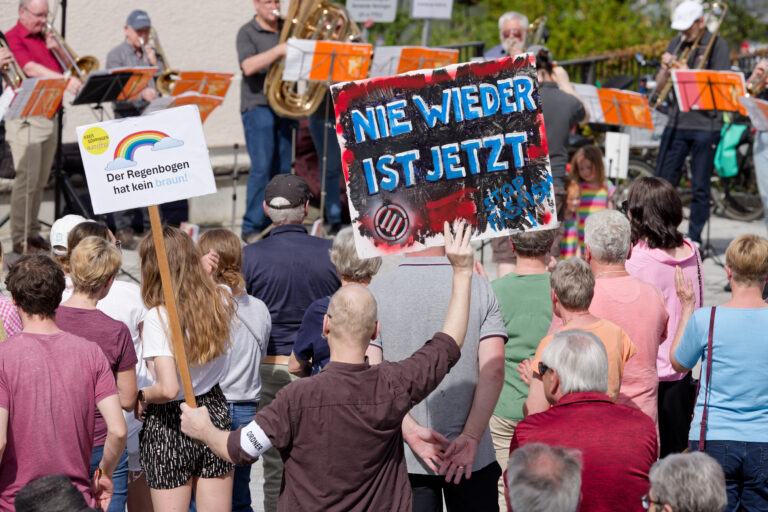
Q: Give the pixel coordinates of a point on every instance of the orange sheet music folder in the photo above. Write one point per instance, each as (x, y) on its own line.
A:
(709, 90)
(137, 82)
(626, 108)
(415, 58)
(205, 103)
(45, 98)
(350, 61)
(203, 82)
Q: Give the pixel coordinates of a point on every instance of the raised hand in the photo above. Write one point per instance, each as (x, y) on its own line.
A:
(458, 249)
(684, 290)
(525, 369)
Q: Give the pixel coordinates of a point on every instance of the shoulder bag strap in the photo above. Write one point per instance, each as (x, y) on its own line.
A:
(703, 431)
(701, 284)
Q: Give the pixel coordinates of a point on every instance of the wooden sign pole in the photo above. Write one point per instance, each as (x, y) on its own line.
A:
(170, 306)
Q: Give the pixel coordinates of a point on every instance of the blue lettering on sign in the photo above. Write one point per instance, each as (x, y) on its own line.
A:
(434, 113)
(512, 200)
(365, 124)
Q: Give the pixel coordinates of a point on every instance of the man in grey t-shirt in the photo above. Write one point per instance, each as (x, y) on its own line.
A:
(267, 135)
(412, 302)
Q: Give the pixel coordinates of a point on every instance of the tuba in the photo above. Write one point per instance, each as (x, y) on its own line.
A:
(665, 84)
(80, 66)
(306, 19)
(168, 78)
(11, 72)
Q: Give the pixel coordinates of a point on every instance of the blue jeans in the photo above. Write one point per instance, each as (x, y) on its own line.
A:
(268, 138)
(746, 472)
(760, 155)
(318, 129)
(119, 478)
(675, 146)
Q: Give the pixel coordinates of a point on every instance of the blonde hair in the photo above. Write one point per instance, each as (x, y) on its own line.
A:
(227, 245)
(594, 155)
(92, 263)
(348, 265)
(747, 257)
(204, 311)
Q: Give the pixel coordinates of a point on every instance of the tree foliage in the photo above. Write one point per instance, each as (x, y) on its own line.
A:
(577, 28)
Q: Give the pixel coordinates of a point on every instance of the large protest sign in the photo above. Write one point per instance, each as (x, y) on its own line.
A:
(140, 161)
(146, 161)
(466, 141)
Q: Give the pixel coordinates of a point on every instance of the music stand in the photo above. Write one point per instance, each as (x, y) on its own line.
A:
(326, 61)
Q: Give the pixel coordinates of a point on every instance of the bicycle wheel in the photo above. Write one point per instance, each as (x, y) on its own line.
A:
(738, 197)
(636, 169)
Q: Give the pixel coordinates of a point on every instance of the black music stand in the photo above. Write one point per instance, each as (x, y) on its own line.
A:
(98, 89)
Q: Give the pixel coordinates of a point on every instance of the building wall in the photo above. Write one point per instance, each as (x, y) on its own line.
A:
(195, 34)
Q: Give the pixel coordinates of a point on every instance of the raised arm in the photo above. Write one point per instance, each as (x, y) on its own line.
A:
(688, 300)
(461, 255)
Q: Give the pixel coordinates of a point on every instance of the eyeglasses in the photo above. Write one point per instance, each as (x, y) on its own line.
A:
(543, 368)
(647, 502)
(38, 15)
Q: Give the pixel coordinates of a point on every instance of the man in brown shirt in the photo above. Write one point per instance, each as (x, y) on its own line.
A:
(339, 432)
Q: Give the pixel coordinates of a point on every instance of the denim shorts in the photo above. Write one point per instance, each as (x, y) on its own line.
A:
(170, 458)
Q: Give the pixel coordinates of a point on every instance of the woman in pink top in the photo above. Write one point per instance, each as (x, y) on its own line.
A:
(655, 211)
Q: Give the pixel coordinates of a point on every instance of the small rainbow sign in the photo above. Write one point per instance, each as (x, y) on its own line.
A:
(128, 146)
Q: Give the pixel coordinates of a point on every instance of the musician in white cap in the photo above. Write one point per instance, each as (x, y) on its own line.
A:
(696, 132)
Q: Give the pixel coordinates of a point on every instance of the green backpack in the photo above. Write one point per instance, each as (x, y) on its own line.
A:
(727, 154)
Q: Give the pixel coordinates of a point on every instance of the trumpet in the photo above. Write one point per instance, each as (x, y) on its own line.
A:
(168, 78)
(80, 66)
(11, 72)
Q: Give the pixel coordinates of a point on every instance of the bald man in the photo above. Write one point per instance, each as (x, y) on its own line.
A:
(339, 432)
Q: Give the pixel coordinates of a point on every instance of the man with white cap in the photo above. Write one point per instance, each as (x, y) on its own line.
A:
(696, 132)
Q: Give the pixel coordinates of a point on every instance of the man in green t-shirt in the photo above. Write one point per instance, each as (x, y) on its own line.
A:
(526, 306)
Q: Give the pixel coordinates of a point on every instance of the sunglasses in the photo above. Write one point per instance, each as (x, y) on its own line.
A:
(517, 34)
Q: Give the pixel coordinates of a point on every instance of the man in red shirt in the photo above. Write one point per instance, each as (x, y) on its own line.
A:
(32, 140)
(618, 443)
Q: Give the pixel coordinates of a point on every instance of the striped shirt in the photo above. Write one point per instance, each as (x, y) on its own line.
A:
(569, 245)
(593, 199)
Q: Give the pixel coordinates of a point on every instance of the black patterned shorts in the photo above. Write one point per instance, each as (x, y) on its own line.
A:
(170, 458)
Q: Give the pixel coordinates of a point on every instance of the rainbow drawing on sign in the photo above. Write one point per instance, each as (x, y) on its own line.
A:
(126, 149)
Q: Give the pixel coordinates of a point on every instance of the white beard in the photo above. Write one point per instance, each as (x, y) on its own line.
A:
(512, 46)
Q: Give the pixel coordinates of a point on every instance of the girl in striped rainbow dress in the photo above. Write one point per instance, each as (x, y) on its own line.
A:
(588, 168)
(569, 244)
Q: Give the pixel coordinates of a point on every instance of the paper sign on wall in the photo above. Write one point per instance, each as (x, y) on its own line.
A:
(431, 9)
(380, 11)
(146, 160)
(466, 141)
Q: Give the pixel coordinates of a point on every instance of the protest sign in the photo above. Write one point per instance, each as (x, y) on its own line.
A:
(466, 141)
(146, 160)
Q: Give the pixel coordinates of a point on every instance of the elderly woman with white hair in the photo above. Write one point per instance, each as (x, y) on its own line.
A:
(310, 351)
(686, 482)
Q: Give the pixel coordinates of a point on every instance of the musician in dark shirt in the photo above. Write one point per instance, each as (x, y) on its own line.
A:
(696, 132)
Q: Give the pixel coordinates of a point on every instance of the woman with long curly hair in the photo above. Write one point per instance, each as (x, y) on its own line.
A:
(173, 464)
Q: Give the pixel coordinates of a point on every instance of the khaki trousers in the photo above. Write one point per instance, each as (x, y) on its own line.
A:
(274, 377)
(33, 144)
(501, 432)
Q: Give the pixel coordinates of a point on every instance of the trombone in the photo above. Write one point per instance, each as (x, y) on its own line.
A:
(80, 66)
(168, 78)
(11, 72)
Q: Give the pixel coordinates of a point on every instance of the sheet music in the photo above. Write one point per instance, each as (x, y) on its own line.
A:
(757, 110)
(588, 95)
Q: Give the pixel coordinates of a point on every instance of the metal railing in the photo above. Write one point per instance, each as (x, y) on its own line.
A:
(467, 51)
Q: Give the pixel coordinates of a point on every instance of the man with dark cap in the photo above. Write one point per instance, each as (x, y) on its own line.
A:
(135, 51)
(288, 270)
